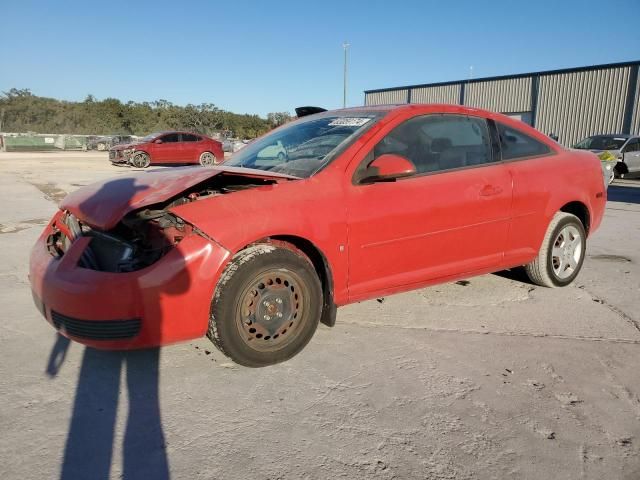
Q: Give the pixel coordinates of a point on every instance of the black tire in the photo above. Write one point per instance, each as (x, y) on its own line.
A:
(548, 269)
(258, 326)
(140, 160)
(620, 170)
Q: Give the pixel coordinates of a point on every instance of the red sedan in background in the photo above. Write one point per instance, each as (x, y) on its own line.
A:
(365, 202)
(169, 148)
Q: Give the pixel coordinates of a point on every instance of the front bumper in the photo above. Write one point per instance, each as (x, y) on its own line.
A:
(163, 303)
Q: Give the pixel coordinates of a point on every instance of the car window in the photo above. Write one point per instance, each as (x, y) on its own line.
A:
(303, 147)
(187, 137)
(633, 146)
(439, 142)
(171, 138)
(601, 142)
(515, 144)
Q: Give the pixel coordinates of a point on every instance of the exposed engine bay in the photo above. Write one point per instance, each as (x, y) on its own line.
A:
(145, 235)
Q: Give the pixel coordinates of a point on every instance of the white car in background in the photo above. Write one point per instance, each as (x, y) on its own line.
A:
(620, 153)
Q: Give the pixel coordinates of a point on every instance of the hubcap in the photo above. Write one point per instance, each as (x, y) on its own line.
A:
(271, 310)
(207, 159)
(566, 252)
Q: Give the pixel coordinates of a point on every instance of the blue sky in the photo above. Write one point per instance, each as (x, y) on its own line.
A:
(264, 56)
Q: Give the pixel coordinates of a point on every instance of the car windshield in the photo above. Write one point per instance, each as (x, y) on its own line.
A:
(150, 137)
(303, 147)
(601, 142)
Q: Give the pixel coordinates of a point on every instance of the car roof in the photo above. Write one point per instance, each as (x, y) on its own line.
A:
(180, 131)
(426, 107)
(617, 135)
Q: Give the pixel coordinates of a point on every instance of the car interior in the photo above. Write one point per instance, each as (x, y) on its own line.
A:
(439, 143)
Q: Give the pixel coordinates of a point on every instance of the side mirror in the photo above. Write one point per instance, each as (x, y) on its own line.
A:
(157, 141)
(388, 168)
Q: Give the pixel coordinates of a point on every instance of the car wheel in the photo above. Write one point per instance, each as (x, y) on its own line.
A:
(207, 159)
(266, 306)
(561, 254)
(140, 160)
(281, 157)
(620, 170)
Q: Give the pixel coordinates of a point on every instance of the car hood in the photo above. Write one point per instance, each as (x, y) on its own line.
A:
(102, 205)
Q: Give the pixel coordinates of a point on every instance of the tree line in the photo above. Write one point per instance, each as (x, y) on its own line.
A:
(22, 111)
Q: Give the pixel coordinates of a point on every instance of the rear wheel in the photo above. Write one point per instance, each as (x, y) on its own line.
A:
(140, 160)
(207, 159)
(562, 252)
(266, 306)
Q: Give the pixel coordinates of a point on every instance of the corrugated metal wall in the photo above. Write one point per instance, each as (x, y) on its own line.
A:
(635, 120)
(439, 94)
(382, 98)
(510, 95)
(572, 104)
(576, 105)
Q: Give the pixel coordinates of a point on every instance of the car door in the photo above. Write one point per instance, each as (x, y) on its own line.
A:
(631, 155)
(168, 150)
(450, 218)
(191, 147)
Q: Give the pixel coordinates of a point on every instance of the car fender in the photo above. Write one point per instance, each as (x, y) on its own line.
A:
(309, 209)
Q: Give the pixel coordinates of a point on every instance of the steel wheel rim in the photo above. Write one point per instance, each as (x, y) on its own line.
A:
(566, 252)
(207, 159)
(270, 311)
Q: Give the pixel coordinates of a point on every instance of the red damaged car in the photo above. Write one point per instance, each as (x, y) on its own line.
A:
(365, 202)
(164, 148)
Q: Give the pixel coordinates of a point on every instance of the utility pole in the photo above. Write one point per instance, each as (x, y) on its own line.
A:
(345, 46)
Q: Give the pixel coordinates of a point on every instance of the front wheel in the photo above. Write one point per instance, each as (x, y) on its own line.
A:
(562, 252)
(266, 306)
(140, 160)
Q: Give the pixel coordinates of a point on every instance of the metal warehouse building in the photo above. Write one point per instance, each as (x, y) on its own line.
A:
(571, 103)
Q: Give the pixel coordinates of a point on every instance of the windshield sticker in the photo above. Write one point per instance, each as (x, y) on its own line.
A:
(349, 122)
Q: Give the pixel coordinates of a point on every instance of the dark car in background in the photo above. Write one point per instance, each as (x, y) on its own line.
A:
(169, 148)
(105, 142)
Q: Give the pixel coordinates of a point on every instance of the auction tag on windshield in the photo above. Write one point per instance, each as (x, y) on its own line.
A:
(349, 122)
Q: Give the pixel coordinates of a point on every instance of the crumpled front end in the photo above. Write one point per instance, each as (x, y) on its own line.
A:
(147, 282)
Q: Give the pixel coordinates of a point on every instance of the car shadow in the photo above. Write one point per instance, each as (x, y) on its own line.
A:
(89, 448)
(517, 274)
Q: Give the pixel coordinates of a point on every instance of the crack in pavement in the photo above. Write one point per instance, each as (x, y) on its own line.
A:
(617, 310)
(503, 334)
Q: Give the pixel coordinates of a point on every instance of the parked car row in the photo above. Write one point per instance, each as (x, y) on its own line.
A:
(163, 148)
(233, 145)
(105, 142)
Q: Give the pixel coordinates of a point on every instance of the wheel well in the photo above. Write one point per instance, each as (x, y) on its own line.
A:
(321, 266)
(621, 167)
(581, 211)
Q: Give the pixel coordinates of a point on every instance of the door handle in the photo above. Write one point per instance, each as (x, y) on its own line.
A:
(489, 190)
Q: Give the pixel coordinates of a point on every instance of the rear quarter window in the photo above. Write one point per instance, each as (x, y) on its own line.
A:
(515, 144)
